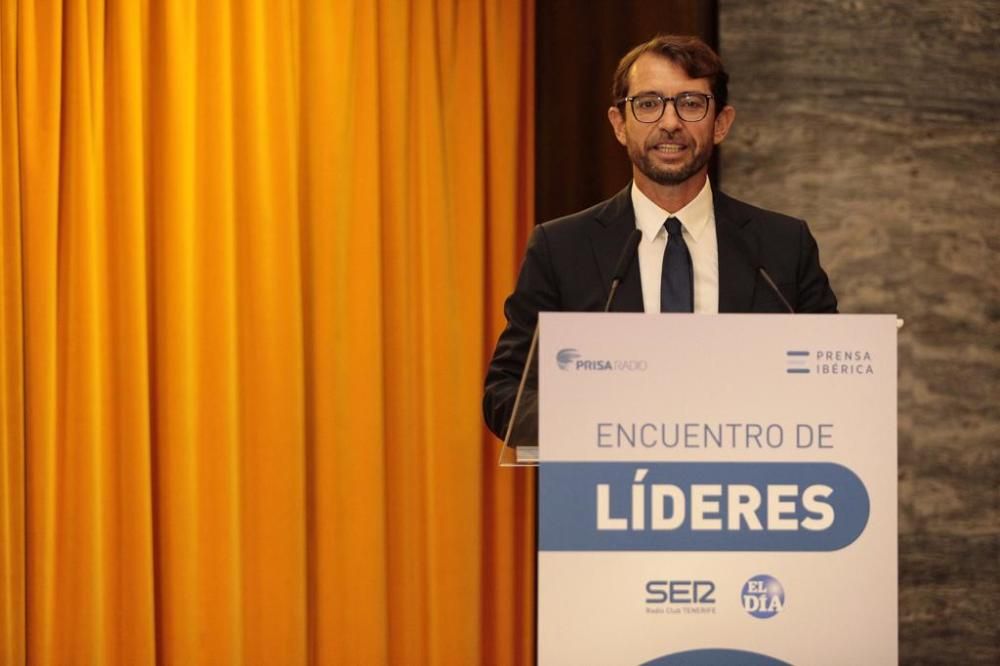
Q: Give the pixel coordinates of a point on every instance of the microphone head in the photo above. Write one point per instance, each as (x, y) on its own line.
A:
(625, 260)
(774, 288)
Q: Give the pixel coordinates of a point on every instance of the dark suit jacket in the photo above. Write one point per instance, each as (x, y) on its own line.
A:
(569, 263)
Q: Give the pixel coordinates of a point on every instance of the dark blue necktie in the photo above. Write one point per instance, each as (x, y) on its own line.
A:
(677, 283)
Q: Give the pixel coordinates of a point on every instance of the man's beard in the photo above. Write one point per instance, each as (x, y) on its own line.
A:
(641, 159)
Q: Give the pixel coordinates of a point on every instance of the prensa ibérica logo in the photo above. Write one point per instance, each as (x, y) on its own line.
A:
(829, 362)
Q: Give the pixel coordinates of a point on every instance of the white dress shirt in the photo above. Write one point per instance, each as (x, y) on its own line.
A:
(698, 222)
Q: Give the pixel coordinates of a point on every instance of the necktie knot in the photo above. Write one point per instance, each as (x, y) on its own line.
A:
(673, 226)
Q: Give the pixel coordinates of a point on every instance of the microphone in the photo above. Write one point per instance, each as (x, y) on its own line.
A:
(755, 261)
(774, 288)
(624, 261)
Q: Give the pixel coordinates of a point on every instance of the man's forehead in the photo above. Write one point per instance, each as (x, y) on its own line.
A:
(654, 73)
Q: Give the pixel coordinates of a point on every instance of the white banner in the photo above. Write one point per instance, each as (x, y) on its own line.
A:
(717, 489)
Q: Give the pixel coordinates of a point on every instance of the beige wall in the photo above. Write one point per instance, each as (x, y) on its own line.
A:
(879, 123)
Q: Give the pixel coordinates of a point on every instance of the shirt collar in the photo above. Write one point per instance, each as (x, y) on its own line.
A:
(694, 217)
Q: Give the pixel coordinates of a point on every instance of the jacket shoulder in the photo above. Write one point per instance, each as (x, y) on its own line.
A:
(606, 212)
(741, 211)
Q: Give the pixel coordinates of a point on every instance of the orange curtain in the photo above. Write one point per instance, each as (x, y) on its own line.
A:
(253, 261)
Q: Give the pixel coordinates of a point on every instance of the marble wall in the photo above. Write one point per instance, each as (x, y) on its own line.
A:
(879, 123)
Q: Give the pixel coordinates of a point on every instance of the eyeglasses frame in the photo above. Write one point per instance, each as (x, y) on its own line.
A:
(663, 106)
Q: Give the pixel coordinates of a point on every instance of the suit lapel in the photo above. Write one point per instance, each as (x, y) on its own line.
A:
(738, 249)
(613, 225)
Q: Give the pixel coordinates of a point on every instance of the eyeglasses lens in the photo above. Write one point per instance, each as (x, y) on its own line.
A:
(690, 107)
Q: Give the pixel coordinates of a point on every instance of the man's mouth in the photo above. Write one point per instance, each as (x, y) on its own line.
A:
(669, 148)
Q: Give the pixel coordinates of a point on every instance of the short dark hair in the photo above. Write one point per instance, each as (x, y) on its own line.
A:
(694, 56)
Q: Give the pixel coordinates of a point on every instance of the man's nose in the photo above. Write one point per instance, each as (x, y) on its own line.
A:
(669, 121)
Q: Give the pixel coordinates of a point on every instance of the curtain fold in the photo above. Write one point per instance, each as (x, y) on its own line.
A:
(12, 463)
(254, 256)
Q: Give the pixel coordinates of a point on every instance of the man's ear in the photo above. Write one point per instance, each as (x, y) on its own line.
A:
(617, 123)
(723, 123)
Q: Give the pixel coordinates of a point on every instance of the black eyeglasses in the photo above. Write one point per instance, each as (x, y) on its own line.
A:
(690, 106)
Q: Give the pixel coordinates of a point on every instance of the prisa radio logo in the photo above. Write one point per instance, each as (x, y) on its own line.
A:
(572, 359)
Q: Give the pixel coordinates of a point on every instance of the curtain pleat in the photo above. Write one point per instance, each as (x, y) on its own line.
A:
(127, 443)
(254, 257)
(12, 461)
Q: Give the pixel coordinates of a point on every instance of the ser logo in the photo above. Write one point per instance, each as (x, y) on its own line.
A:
(680, 597)
(680, 592)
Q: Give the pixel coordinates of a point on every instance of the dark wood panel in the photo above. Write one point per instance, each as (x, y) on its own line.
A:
(578, 45)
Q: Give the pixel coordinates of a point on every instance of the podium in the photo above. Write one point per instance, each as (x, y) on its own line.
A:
(717, 489)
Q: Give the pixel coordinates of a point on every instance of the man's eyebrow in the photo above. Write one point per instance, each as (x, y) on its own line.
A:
(661, 94)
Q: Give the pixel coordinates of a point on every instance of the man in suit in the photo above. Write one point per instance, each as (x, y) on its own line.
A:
(700, 250)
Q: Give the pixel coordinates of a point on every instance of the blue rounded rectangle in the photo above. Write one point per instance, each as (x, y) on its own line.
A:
(700, 506)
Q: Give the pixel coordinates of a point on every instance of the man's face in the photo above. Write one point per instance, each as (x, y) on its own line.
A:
(669, 151)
